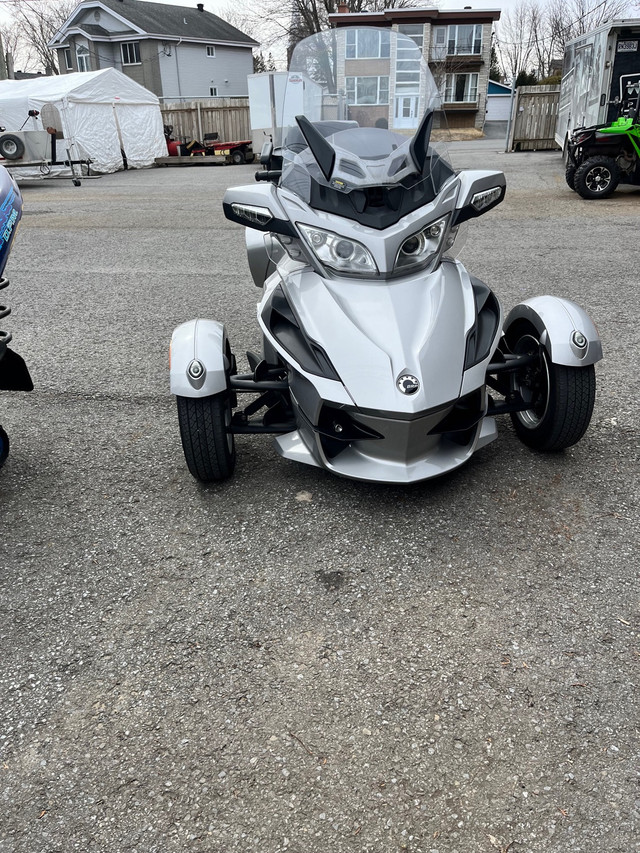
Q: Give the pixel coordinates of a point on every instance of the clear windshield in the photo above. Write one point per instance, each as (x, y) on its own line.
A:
(365, 93)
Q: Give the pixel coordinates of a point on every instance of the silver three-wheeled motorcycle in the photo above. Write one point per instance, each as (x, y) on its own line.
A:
(383, 359)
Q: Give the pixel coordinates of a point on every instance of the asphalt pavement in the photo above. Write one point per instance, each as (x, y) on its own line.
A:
(291, 661)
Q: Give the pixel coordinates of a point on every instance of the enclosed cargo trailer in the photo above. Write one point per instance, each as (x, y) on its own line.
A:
(593, 65)
(266, 104)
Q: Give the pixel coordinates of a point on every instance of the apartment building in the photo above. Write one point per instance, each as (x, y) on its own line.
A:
(455, 43)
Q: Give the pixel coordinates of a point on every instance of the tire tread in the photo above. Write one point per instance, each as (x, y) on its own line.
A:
(578, 179)
(573, 396)
(204, 437)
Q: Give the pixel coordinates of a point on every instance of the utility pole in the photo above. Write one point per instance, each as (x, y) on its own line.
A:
(3, 61)
(509, 123)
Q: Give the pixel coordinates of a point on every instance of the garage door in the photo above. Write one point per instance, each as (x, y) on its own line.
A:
(498, 107)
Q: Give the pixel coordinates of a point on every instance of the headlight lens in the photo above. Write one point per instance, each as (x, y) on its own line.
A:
(252, 213)
(418, 249)
(339, 253)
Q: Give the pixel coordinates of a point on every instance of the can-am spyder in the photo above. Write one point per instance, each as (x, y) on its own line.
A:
(14, 374)
(381, 354)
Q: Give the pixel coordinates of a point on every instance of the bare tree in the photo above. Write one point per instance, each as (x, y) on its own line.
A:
(514, 39)
(280, 24)
(245, 17)
(575, 17)
(293, 20)
(35, 24)
(533, 32)
(11, 42)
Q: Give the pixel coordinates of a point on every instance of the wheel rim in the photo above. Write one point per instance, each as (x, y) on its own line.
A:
(9, 148)
(598, 179)
(533, 383)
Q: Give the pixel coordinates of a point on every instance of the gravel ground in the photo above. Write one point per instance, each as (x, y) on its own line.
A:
(290, 661)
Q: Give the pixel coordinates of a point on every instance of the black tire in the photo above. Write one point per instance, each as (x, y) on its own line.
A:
(569, 176)
(4, 447)
(11, 147)
(237, 157)
(597, 177)
(561, 397)
(208, 445)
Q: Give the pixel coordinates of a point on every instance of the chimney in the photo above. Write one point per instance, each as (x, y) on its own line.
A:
(200, 7)
(343, 8)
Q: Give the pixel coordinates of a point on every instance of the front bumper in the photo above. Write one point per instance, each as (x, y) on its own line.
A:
(401, 450)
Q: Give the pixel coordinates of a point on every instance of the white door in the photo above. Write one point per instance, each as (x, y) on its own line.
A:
(406, 112)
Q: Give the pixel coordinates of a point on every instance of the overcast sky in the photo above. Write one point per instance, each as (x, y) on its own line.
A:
(218, 6)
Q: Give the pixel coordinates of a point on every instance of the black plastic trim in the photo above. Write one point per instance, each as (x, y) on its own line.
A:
(276, 226)
(323, 152)
(381, 207)
(419, 145)
(287, 330)
(467, 412)
(14, 373)
(463, 214)
(482, 334)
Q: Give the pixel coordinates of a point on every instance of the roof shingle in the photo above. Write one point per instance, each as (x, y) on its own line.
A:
(181, 21)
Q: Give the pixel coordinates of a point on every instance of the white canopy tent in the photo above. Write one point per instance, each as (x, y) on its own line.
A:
(98, 112)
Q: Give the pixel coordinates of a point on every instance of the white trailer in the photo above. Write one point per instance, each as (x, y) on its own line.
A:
(593, 65)
(266, 104)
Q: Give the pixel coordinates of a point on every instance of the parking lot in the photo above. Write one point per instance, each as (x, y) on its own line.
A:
(291, 661)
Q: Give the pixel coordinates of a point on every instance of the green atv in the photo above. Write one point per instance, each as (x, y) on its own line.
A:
(603, 156)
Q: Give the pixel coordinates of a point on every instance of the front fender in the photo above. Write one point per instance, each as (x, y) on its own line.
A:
(203, 341)
(557, 321)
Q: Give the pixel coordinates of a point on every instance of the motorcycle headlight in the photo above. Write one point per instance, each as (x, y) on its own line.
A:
(338, 253)
(420, 248)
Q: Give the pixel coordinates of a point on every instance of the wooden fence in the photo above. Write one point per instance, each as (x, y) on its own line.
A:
(228, 117)
(533, 122)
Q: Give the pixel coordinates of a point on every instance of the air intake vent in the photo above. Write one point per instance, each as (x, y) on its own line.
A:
(352, 168)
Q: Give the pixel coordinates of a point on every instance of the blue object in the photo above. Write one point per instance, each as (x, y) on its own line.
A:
(10, 214)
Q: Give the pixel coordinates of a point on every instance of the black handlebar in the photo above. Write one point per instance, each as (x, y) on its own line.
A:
(266, 175)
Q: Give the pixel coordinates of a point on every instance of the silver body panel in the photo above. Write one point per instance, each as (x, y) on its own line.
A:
(556, 319)
(204, 341)
(375, 332)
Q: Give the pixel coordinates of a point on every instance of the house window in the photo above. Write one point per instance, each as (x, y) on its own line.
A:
(414, 31)
(211, 50)
(439, 43)
(367, 90)
(461, 88)
(213, 91)
(368, 44)
(465, 39)
(130, 52)
(82, 58)
(68, 60)
(409, 59)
